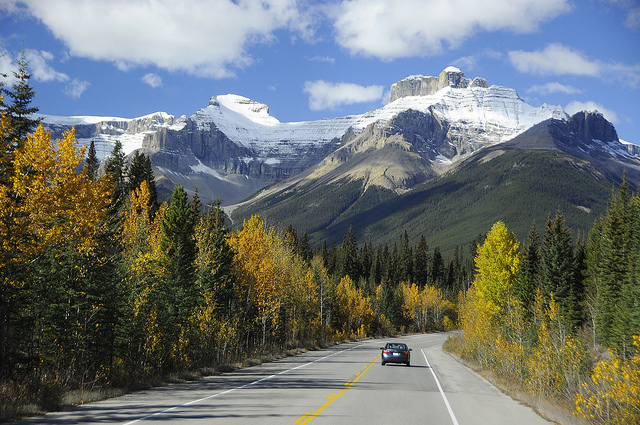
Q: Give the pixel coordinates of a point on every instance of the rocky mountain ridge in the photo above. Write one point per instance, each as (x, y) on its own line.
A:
(232, 148)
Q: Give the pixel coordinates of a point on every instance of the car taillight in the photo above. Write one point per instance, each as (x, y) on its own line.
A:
(386, 351)
(405, 352)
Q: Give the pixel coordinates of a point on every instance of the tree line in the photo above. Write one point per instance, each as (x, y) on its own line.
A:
(558, 318)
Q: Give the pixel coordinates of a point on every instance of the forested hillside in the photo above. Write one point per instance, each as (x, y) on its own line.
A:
(515, 186)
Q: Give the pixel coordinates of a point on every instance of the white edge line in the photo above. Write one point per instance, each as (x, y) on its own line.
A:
(237, 388)
(444, 397)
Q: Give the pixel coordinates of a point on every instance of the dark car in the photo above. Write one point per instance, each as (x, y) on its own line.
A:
(396, 352)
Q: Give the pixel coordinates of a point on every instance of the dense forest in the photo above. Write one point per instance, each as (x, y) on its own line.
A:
(103, 286)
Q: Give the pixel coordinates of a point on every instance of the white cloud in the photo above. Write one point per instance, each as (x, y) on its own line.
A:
(40, 68)
(153, 79)
(326, 95)
(553, 87)
(75, 88)
(632, 10)
(201, 38)
(577, 106)
(6, 67)
(555, 59)
(390, 29)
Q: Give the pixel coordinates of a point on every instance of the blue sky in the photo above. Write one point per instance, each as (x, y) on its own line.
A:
(310, 60)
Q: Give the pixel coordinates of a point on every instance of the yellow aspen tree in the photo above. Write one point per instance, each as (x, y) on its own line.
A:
(412, 308)
(57, 204)
(353, 308)
(260, 268)
(497, 263)
(301, 299)
(142, 260)
(435, 306)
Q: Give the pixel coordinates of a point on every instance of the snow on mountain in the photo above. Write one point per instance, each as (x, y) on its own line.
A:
(499, 111)
(105, 131)
(249, 124)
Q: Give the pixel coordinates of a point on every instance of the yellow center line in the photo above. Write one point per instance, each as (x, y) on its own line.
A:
(308, 417)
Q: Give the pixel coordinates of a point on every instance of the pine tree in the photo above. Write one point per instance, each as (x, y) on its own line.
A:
(348, 257)
(136, 172)
(151, 180)
(405, 260)
(179, 244)
(422, 262)
(92, 162)
(20, 110)
(140, 170)
(607, 281)
(557, 267)
(117, 171)
(196, 206)
(529, 272)
(365, 260)
(214, 259)
(305, 249)
(437, 268)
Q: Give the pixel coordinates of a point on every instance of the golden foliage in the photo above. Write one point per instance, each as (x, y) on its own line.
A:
(497, 265)
(53, 204)
(426, 308)
(612, 395)
(353, 308)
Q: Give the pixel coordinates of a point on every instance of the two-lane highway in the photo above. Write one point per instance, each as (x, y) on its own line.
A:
(342, 384)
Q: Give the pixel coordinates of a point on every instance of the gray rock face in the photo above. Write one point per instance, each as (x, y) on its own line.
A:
(233, 148)
(425, 85)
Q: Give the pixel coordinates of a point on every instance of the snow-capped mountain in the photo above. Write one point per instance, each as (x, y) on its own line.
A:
(232, 148)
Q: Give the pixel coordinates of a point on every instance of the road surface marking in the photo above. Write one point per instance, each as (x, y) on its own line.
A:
(444, 397)
(308, 417)
(170, 409)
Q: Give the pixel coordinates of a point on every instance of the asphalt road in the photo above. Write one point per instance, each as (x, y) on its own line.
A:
(344, 384)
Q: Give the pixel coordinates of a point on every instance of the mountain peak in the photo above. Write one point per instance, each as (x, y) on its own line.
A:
(426, 85)
(231, 104)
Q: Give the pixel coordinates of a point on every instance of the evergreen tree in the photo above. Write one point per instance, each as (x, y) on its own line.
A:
(92, 162)
(196, 206)
(214, 259)
(305, 249)
(179, 290)
(20, 110)
(348, 258)
(557, 268)
(610, 273)
(151, 180)
(365, 260)
(116, 169)
(405, 261)
(140, 170)
(529, 272)
(421, 265)
(137, 172)
(437, 268)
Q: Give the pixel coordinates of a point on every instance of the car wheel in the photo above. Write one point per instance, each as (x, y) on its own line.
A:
(383, 363)
(408, 364)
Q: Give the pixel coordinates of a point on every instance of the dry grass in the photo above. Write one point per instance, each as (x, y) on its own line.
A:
(554, 410)
(20, 400)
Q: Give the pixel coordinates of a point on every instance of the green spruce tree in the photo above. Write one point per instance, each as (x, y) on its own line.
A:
(20, 110)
